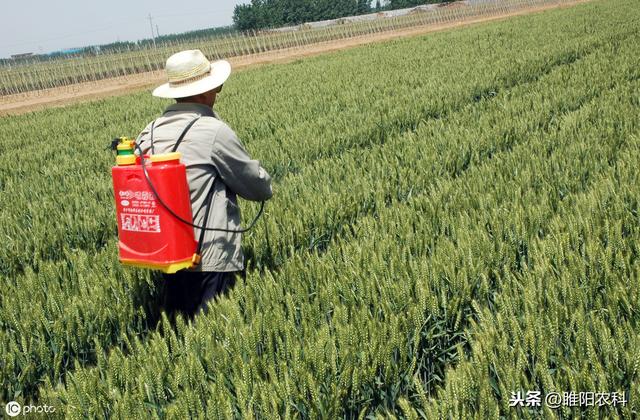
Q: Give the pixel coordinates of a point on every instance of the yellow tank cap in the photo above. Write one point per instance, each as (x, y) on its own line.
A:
(125, 160)
(128, 145)
(165, 157)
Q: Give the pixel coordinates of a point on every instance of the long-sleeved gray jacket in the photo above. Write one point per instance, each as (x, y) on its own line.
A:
(211, 148)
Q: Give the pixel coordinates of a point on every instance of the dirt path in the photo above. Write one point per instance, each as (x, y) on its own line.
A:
(82, 92)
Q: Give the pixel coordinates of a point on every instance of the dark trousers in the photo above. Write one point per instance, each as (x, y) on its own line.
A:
(189, 292)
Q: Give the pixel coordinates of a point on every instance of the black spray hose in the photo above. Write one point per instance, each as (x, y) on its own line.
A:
(186, 222)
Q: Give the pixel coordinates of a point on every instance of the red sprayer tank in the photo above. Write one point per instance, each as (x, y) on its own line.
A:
(150, 236)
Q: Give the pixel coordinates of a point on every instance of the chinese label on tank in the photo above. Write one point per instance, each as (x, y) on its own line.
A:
(140, 223)
(138, 202)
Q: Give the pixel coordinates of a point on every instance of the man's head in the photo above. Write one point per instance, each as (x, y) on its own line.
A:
(206, 98)
(192, 78)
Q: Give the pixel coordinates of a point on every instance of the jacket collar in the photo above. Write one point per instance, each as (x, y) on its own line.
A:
(191, 107)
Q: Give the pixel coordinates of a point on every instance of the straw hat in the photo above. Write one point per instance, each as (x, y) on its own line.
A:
(190, 73)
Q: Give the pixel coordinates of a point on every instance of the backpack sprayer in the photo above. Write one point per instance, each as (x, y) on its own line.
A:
(153, 209)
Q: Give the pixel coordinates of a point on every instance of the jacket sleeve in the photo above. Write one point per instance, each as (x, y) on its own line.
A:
(238, 171)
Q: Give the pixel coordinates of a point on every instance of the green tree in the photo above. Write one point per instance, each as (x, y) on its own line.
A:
(272, 13)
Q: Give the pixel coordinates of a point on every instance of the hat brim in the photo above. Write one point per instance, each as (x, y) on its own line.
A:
(220, 71)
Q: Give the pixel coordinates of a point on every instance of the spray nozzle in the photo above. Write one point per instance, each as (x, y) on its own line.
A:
(124, 147)
(122, 144)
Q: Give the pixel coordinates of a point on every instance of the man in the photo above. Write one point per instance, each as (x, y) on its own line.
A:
(215, 158)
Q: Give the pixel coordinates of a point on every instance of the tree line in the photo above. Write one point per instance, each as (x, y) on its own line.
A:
(260, 14)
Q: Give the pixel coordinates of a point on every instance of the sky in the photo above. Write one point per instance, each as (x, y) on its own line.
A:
(40, 26)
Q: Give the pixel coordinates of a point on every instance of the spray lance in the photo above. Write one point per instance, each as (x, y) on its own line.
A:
(158, 237)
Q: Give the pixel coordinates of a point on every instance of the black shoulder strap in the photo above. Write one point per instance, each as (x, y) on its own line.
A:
(208, 199)
(184, 133)
(153, 150)
(209, 203)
